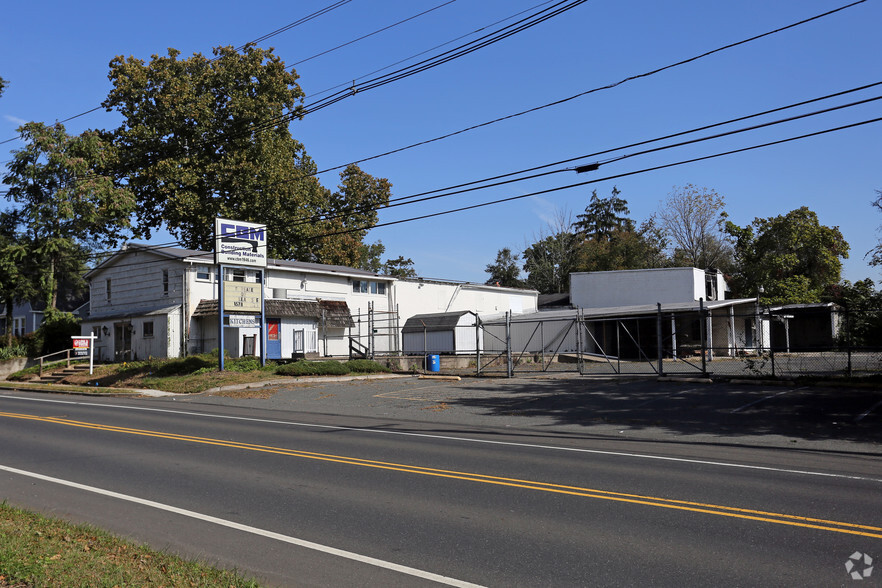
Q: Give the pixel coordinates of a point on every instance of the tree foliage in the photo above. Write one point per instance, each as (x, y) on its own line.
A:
(400, 267)
(875, 253)
(603, 217)
(693, 220)
(69, 205)
(793, 257)
(203, 138)
(15, 272)
(505, 271)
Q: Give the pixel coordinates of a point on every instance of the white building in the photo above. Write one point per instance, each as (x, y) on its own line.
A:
(162, 302)
(645, 286)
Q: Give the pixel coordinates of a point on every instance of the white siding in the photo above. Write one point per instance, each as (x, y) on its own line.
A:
(636, 287)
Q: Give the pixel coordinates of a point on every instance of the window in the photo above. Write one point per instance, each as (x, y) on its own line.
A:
(97, 332)
(108, 290)
(147, 330)
(365, 287)
(236, 275)
(165, 282)
(204, 273)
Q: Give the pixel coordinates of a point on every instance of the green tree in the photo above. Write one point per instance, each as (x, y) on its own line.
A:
(876, 252)
(399, 267)
(603, 217)
(370, 257)
(793, 257)
(505, 271)
(693, 220)
(549, 261)
(15, 272)
(3, 84)
(203, 138)
(68, 204)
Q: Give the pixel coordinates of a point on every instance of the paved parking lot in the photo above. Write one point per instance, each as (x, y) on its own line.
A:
(770, 414)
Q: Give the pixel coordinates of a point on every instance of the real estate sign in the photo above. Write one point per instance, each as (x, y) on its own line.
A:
(239, 243)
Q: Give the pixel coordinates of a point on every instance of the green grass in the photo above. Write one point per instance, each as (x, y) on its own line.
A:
(39, 551)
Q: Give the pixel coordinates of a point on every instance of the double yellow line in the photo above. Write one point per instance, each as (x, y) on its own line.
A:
(685, 505)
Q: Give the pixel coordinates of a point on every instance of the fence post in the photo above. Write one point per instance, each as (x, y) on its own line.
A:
(702, 328)
(509, 366)
(579, 343)
(659, 341)
(478, 344)
(848, 326)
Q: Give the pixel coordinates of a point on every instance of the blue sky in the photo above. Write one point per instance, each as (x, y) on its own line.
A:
(55, 56)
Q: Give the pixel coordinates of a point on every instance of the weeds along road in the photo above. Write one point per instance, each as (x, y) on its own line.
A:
(305, 498)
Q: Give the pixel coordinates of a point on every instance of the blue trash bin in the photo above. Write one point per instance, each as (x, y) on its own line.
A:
(433, 363)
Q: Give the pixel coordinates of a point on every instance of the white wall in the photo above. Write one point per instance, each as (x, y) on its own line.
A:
(424, 297)
(636, 287)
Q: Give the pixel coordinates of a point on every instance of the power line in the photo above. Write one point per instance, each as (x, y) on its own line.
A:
(605, 179)
(278, 31)
(593, 90)
(386, 28)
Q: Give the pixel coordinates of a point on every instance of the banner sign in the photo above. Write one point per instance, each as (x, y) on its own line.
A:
(244, 320)
(239, 243)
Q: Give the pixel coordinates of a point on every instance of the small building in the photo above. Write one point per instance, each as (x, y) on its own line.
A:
(646, 286)
(442, 333)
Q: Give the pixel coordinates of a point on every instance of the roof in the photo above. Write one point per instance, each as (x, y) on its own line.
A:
(621, 311)
(336, 312)
(469, 285)
(441, 321)
(207, 257)
(128, 314)
(546, 300)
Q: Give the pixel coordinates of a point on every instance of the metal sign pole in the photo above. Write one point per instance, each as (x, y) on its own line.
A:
(220, 317)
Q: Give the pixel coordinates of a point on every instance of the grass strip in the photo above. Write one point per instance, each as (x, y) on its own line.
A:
(40, 551)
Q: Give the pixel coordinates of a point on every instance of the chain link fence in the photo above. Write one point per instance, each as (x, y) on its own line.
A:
(731, 341)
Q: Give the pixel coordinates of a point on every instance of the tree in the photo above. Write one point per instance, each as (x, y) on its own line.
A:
(604, 216)
(793, 257)
(506, 271)
(203, 138)
(693, 220)
(69, 204)
(15, 278)
(549, 261)
(3, 84)
(876, 252)
(399, 267)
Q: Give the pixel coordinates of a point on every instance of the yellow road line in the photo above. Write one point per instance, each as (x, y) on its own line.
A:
(685, 505)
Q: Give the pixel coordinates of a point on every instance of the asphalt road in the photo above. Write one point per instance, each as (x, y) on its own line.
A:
(413, 482)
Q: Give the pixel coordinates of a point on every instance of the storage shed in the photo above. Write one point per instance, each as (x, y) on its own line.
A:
(444, 332)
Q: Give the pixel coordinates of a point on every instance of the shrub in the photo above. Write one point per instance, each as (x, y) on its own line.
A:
(15, 350)
(242, 364)
(313, 368)
(365, 366)
(57, 329)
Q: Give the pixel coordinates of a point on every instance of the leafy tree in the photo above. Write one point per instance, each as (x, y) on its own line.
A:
(203, 138)
(506, 271)
(863, 319)
(603, 217)
(3, 84)
(399, 267)
(876, 252)
(15, 277)
(549, 261)
(793, 257)
(370, 257)
(69, 205)
(693, 220)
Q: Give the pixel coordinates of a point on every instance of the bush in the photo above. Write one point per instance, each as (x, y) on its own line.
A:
(313, 368)
(365, 366)
(57, 329)
(242, 364)
(13, 351)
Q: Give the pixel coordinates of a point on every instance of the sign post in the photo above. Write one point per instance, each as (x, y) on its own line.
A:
(239, 244)
(84, 345)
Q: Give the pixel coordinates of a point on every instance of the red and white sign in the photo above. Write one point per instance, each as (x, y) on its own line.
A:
(81, 347)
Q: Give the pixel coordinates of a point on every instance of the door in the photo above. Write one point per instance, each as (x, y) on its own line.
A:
(298, 342)
(273, 341)
(122, 341)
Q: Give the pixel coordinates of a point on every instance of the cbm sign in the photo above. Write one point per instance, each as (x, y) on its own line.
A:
(239, 243)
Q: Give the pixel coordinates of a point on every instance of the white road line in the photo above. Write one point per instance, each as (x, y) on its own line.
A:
(868, 411)
(463, 439)
(763, 399)
(248, 529)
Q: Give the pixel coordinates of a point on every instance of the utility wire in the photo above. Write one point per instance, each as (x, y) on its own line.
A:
(593, 90)
(278, 31)
(430, 49)
(597, 180)
(386, 28)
